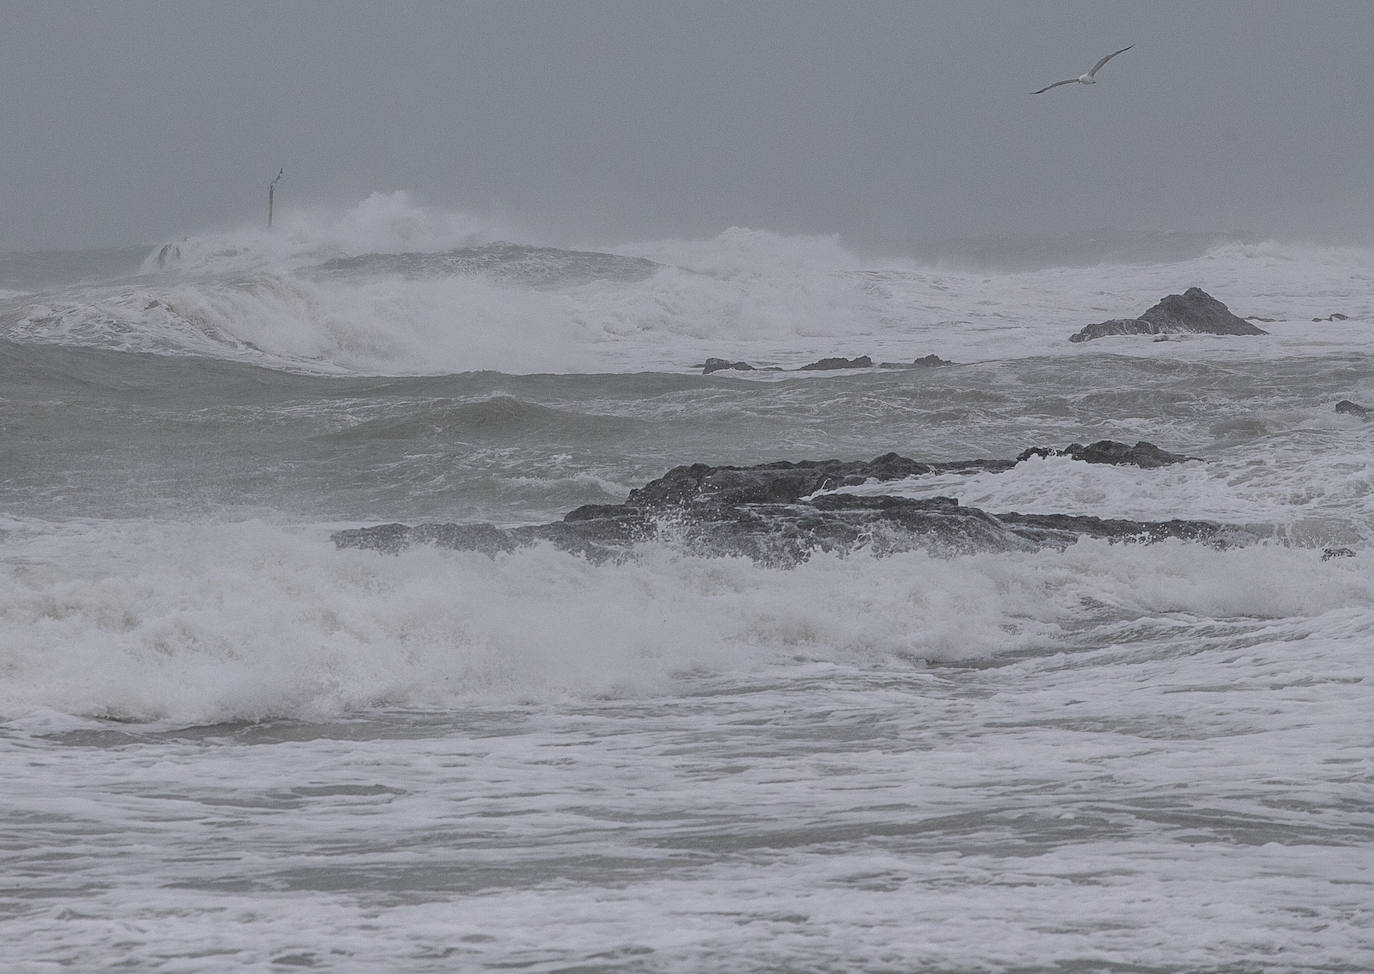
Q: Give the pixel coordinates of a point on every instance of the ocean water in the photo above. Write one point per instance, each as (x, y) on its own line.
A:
(227, 744)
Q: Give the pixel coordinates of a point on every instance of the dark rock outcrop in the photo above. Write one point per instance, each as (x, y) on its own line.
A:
(1116, 326)
(1354, 409)
(1110, 451)
(924, 362)
(1335, 316)
(822, 365)
(825, 364)
(1193, 311)
(785, 482)
(774, 514)
(720, 364)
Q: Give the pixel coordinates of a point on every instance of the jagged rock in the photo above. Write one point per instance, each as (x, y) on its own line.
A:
(719, 364)
(1064, 529)
(924, 362)
(1116, 326)
(862, 362)
(1110, 451)
(784, 481)
(1335, 316)
(1354, 409)
(1193, 311)
(825, 364)
(1329, 553)
(1196, 310)
(773, 513)
(787, 534)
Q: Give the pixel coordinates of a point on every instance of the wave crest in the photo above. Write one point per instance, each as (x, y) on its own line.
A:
(383, 223)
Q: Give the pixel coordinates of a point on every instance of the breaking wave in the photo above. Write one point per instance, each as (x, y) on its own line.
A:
(391, 286)
(205, 623)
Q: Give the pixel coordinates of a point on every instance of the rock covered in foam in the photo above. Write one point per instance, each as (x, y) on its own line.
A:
(780, 513)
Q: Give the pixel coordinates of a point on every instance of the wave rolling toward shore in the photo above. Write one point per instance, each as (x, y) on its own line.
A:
(232, 743)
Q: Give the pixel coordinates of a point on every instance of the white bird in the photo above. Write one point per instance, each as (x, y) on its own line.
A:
(1084, 79)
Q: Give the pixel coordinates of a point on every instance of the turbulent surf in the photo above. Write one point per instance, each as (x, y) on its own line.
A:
(775, 729)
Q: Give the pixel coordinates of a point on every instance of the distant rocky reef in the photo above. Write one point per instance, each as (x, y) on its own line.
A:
(1192, 312)
(822, 365)
(780, 513)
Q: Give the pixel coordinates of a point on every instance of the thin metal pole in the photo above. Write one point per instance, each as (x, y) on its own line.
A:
(271, 189)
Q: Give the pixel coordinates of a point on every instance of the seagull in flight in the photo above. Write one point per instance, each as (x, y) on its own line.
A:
(1084, 79)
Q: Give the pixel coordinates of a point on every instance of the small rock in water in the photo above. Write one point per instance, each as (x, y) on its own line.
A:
(720, 364)
(924, 362)
(1329, 553)
(1145, 455)
(1354, 409)
(862, 362)
(1193, 311)
(823, 365)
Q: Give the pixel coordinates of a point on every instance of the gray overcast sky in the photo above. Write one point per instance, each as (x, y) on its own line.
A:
(887, 123)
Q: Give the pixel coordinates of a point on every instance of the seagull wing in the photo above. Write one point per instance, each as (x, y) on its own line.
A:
(1071, 81)
(1099, 64)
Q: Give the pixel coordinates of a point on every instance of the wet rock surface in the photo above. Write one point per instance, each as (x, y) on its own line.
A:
(1110, 451)
(1194, 311)
(780, 513)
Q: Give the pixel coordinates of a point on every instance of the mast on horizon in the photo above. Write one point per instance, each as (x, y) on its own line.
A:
(271, 189)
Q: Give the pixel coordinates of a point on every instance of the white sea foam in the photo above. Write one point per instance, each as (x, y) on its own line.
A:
(743, 294)
(1328, 500)
(1180, 788)
(199, 623)
(382, 223)
(1111, 756)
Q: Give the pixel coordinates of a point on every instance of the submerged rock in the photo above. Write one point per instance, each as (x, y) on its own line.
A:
(1193, 311)
(780, 513)
(1354, 409)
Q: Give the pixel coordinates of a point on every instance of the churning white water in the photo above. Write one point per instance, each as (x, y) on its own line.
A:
(228, 743)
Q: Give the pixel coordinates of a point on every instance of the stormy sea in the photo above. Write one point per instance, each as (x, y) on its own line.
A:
(381, 593)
